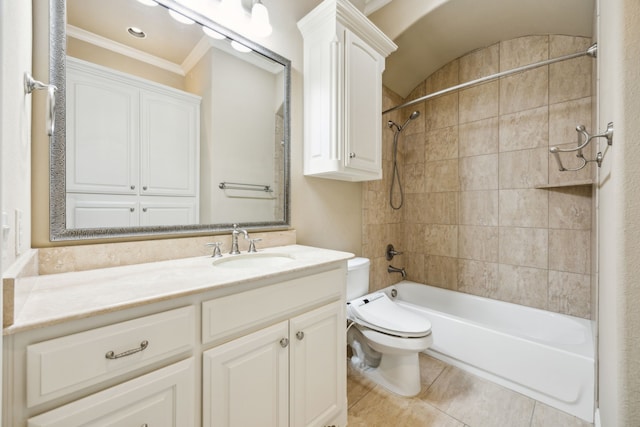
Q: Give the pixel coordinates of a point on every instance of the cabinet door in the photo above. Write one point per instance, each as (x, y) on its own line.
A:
(164, 398)
(246, 381)
(102, 132)
(318, 366)
(101, 210)
(170, 141)
(363, 106)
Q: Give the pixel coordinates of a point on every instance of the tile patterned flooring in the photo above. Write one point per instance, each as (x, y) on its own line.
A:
(450, 397)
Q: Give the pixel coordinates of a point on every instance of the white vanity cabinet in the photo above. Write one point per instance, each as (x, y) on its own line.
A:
(269, 351)
(128, 137)
(344, 57)
(288, 374)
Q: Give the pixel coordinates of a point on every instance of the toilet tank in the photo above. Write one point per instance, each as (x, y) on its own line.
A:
(357, 277)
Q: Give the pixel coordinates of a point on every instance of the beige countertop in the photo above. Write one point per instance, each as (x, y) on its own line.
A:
(56, 298)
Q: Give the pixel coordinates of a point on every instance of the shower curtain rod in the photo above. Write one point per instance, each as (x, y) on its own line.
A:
(592, 52)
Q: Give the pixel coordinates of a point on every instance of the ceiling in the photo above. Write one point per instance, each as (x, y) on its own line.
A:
(429, 33)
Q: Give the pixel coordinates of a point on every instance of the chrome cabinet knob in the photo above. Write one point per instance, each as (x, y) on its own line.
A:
(300, 335)
(284, 342)
(352, 155)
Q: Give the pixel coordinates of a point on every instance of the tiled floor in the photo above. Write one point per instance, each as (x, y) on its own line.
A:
(450, 397)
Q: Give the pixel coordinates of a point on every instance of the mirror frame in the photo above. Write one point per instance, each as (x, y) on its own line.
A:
(57, 151)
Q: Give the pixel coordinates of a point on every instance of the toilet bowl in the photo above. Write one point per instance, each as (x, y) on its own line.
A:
(384, 337)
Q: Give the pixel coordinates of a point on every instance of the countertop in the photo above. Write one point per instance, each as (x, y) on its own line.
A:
(56, 298)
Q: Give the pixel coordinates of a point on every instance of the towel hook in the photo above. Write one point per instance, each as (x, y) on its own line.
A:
(30, 84)
(582, 132)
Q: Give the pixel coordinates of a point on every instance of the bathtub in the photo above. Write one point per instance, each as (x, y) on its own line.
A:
(546, 356)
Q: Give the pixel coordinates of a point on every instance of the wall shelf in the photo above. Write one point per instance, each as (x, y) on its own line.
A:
(566, 184)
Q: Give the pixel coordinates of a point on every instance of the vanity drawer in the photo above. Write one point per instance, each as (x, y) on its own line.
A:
(63, 365)
(161, 398)
(229, 316)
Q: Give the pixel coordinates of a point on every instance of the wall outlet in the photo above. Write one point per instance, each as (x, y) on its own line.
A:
(19, 232)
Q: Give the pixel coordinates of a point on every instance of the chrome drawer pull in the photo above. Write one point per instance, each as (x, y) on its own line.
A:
(112, 355)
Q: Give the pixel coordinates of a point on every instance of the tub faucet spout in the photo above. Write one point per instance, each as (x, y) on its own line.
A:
(392, 269)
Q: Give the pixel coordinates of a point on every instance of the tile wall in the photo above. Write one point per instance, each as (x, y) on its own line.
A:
(473, 218)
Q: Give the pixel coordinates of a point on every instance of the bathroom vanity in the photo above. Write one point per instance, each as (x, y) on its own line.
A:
(251, 339)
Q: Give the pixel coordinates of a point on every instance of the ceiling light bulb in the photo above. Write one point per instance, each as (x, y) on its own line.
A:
(239, 47)
(148, 2)
(260, 20)
(213, 34)
(181, 18)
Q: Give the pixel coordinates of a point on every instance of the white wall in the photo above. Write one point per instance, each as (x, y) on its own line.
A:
(619, 214)
(15, 124)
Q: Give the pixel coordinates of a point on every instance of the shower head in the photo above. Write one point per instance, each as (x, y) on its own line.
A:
(413, 116)
(399, 128)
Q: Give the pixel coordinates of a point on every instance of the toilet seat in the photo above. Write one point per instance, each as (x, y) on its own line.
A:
(378, 312)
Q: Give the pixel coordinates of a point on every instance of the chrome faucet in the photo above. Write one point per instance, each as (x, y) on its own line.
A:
(392, 269)
(234, 239)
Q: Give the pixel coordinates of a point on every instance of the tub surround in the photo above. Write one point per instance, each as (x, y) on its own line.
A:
(53, 299)
(474, 219)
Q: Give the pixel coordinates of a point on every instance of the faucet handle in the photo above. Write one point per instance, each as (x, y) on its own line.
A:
(216, 249)
(252, 244)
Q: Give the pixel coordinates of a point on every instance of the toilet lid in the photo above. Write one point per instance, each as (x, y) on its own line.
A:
(378, 312)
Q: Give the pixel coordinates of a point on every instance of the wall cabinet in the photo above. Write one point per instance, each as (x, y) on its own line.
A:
(272, 354)
(288, 374)
(344, 56)
(130, 137)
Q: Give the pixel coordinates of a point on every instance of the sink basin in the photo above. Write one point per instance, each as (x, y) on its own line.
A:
(256, 260)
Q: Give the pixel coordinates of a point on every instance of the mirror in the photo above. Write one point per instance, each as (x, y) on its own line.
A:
(172, 131)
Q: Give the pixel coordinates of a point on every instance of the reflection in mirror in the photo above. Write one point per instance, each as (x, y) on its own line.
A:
(167, 127)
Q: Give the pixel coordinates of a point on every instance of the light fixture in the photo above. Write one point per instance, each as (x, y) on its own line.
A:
(260, 24)
(181, 18)
(213, 34)
(148, 2)
(137, 32)
(240, 47)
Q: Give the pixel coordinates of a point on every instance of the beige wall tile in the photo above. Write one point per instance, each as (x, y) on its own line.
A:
(524, 168)
(479, 137)
(414, 208)
(442, 175)
(441, 144)
(569, 251)
(441, 240)
(441, 208)
(565, 116)
(524, 208)
(412, 146)
(441, 112)
(480, 63)
(479, 102)
(528, 247)
(412, 177)
(479, 207)
(525, 129)
(443, 78)
(570, 208)
(524, 91)
(570, 293)
(479, 172)
(477, 277)
(523, 51)
(414, 266)
(569, 79)
(522, 285)
(478, 243)
(442, 271)
(414, 238)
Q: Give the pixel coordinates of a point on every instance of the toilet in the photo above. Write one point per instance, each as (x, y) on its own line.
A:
(385, 338)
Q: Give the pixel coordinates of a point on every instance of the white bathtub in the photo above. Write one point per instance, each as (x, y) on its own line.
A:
(543, 355)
